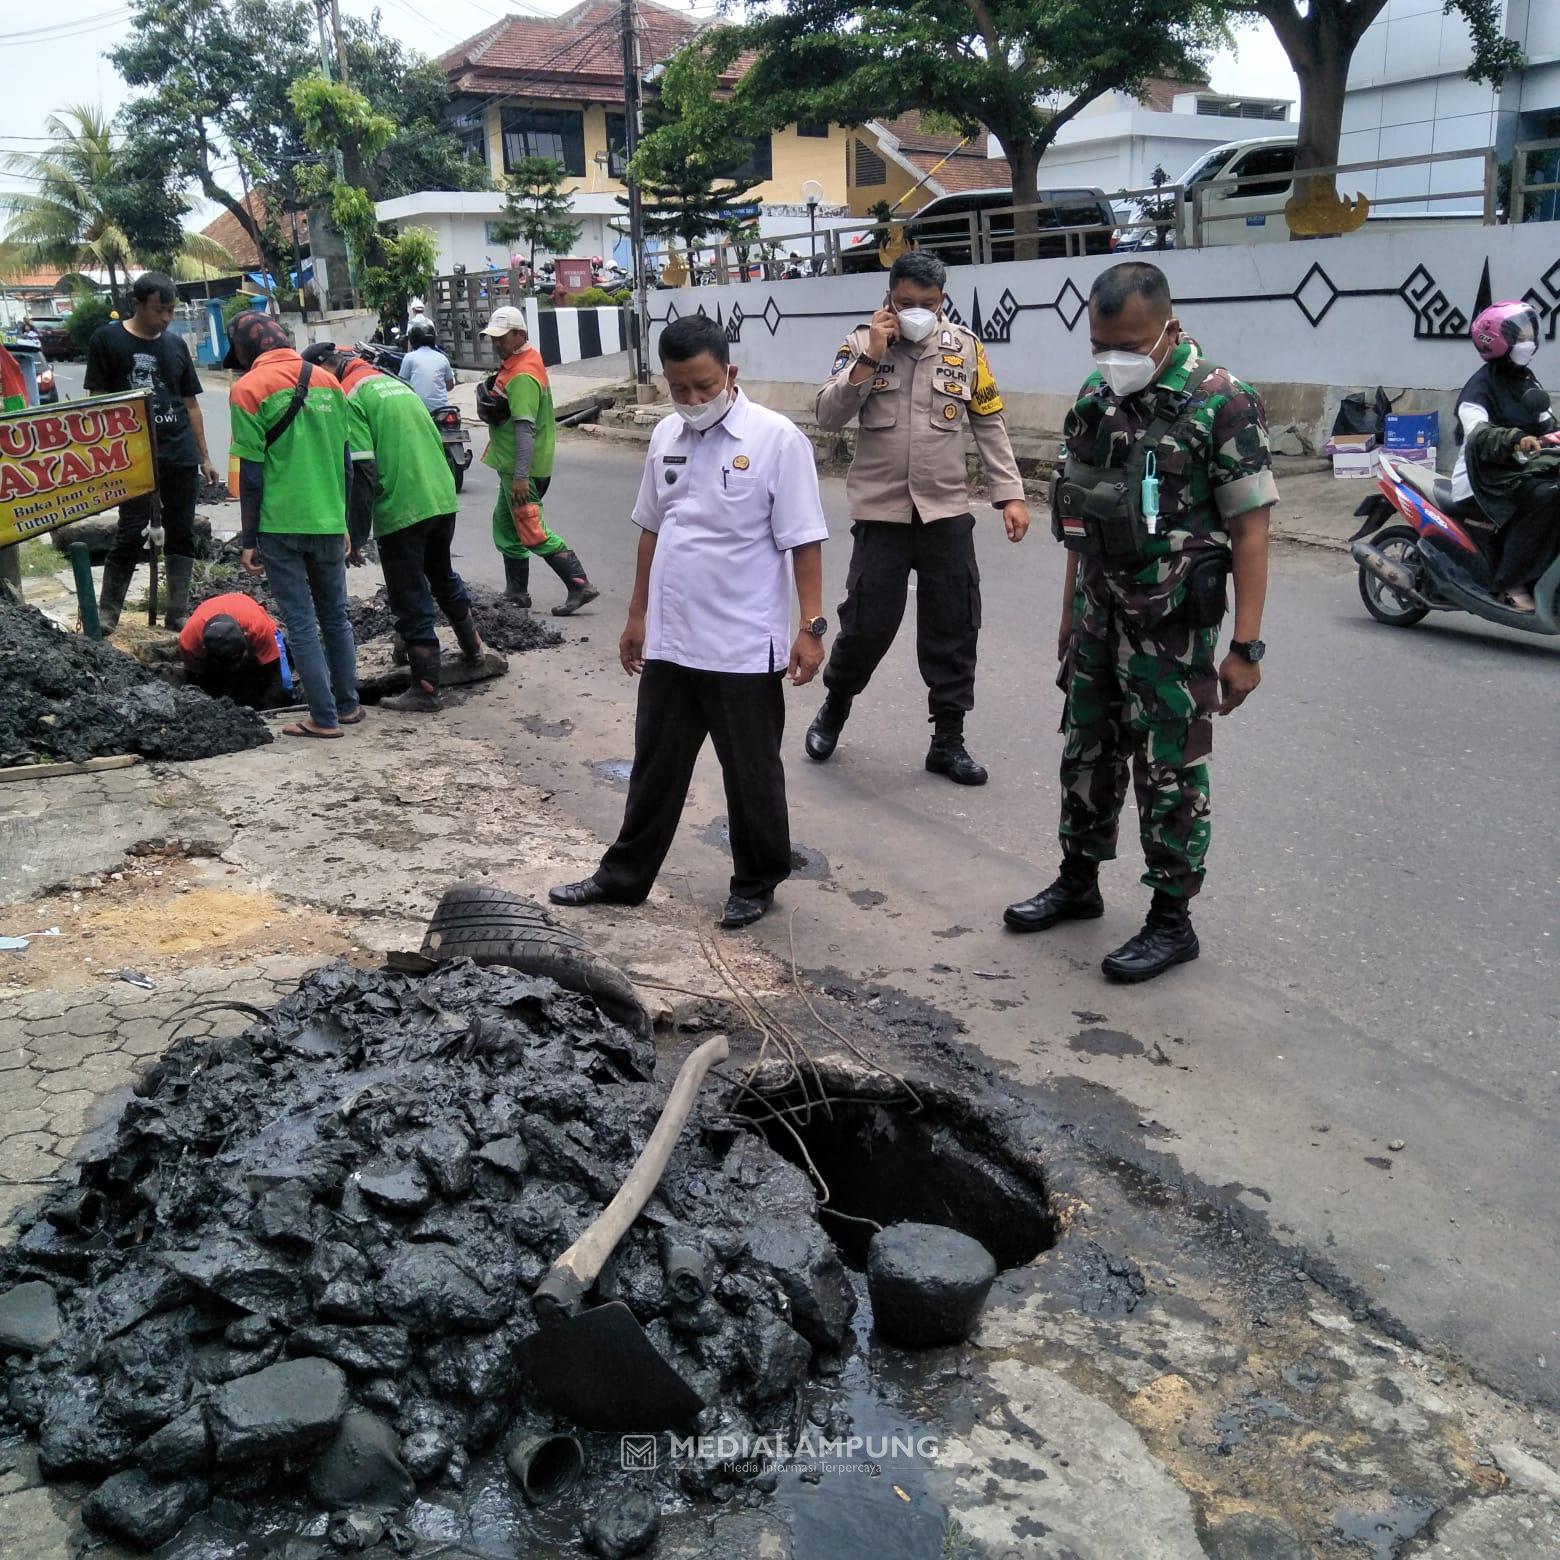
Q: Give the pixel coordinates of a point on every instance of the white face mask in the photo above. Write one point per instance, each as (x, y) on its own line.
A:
(1522, 353)
(917, 324)
(707, 413)
(1128, 372)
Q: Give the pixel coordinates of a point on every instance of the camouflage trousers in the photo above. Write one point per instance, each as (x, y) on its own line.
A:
(1144, 697)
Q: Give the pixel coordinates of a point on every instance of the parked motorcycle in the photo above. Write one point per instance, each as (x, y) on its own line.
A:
(447, 419)
(1427, 553)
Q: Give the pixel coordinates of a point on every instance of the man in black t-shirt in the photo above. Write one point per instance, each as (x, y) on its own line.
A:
(140, 354)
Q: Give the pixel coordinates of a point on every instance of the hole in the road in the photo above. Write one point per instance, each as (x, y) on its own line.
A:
(889, 1163)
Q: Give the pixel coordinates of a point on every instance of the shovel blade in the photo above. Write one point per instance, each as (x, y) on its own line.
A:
(600, 1371)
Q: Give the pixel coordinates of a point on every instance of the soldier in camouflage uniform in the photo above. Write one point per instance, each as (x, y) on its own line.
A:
(1141, 614)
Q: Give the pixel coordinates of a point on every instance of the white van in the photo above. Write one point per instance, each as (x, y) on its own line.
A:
(1248, 213)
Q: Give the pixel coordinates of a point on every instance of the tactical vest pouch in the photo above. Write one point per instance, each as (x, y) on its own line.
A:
(1098, 510)
(1095, 512)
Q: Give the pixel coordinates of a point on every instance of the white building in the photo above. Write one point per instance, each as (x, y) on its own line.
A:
(1409, 95)
(1117, 142)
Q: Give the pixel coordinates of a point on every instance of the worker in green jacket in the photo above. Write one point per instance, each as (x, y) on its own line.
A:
(517, 405)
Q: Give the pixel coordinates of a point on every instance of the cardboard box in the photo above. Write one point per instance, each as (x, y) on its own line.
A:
(1413, 430)
(1420, 457)
(1355, 463)
(1352, 443)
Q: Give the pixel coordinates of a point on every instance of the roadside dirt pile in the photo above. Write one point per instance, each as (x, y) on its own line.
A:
(295, 1271)
(64, 696)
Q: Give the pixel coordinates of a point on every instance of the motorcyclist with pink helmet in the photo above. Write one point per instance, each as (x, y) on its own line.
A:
(1507, 393)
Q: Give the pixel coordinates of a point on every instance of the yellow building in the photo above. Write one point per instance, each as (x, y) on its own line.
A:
(553, 87)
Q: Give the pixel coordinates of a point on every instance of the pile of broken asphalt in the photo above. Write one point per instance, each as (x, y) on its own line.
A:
(297, 1267)
(67, 697)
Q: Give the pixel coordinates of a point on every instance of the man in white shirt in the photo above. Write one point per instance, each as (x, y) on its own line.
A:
(729, 489)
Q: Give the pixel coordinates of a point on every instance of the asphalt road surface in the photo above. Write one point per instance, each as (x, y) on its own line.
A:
(1379, 929)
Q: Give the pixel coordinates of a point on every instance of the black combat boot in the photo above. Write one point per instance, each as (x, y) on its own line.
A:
(1167, 939)
(178, 572)
(948, 756)
(111, 600)
(1074, 896)
(517, 580)
(398, 651)
(823, 736)
(422, 698)
(566, 565)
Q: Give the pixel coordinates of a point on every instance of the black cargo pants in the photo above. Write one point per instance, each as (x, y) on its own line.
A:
(947, 610)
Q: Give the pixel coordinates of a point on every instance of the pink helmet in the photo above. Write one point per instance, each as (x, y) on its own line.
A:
(1498, 327)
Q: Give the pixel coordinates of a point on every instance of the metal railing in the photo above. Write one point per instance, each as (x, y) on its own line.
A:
(1201, 194)
(1522, 186)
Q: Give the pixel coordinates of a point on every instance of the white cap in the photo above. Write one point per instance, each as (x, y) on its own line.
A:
(505, 320)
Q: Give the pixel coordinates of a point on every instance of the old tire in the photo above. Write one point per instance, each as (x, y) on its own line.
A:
(493, 926)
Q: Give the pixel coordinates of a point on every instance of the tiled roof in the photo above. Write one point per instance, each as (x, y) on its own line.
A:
(966, 169)
(578, 55)
(229, 232)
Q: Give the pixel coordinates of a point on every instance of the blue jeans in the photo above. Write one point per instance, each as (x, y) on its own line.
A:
(308, 577)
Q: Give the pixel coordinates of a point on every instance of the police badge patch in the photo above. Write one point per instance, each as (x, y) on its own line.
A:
(841, 358)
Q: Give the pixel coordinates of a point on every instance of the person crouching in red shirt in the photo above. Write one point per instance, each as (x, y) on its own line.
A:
(231, 645)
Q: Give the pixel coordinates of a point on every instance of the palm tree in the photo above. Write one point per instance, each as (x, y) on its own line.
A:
(72, 219)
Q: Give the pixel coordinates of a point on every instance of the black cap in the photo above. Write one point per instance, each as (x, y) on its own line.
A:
(224, 640)
(319, 351)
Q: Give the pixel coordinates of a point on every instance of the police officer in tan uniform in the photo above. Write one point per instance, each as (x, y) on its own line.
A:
(917, 382)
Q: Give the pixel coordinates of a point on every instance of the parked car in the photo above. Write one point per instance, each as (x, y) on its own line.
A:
(942, 226)
(55, 341)
(1248, 213)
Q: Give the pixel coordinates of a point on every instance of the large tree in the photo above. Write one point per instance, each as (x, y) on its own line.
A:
(537, 209)
(1320, 37)
(98, 204)
(215, 80)
(1021, 69)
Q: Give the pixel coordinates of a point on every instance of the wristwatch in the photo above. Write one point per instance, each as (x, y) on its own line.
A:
(817, 627)
(1248, 649)
(869, 362)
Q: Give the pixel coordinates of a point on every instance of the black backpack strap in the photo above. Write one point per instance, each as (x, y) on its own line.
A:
(294, 406)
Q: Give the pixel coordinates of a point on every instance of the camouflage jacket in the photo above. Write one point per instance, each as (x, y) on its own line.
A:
(1219, 467)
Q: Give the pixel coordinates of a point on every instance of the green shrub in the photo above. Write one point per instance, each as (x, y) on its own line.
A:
(238, 304)
(89, 315)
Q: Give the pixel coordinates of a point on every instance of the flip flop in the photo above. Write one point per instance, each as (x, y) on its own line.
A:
(300, 730)
(354, 719)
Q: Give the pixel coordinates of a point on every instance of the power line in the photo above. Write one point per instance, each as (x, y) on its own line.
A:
(22, 41)
(79, 21)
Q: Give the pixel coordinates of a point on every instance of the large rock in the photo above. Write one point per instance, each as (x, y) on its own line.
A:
(430, 1288)
(279, 1409)
(927, 1283)
(77, 1437)
(362, 1467)
(367, 1351)
(29, 1318)
(626, 1524)
(181, 1446)
(803, 1261)
(141, 1510)
(396, 1187)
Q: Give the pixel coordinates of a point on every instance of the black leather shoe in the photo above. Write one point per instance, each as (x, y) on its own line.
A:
(947, 756)
(741, 911)
(586, 892)
(823, 736)
(1164, 941)
(1062, 901)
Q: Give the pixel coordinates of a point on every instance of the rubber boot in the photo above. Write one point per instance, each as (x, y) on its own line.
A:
(471, 646)
(566, 565)
(177, 572)
(398, 651)
(422, 698)
(111, 600)
(517, 580)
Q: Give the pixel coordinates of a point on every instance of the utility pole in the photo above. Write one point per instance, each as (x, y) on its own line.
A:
(341, 46)
(632, 106)
(320, 8)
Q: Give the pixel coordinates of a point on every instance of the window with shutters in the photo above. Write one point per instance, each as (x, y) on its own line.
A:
(870, 168)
